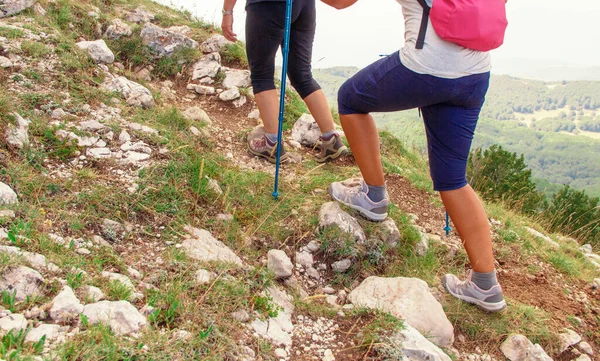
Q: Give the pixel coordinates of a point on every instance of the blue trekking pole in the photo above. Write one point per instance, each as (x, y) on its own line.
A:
(285, 51)
(447, 228)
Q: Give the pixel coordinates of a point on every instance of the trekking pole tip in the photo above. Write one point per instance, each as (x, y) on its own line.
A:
(275, 195)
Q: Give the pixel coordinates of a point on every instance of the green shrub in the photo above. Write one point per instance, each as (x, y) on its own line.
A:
(575, 213)
(235, 53)
(501, 175)
(170, 66)
(132, 51)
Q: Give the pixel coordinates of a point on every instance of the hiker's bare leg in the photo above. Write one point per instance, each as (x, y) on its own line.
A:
(319, 108)
(363, 139)
(268, 105)
(470, 220)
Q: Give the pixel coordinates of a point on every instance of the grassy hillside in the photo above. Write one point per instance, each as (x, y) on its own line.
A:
(144, 195)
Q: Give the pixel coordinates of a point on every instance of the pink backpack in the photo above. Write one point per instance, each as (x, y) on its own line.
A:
(474, 24)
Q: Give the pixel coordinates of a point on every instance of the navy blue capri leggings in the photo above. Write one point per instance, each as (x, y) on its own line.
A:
(450, 109)
(265, 22)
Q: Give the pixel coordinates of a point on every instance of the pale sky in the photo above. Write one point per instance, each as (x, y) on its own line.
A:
(551, 32)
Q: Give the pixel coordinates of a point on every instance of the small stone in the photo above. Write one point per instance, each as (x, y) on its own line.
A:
(313, 273)
(84, 251)
(328, 290)
(341, 266)
(204, 90)
(65, 306)
(117, 29)
(14, 322)
(281, 353)
(204, 277)
(58, 113)
(182, 335)
(98, 51)
(586, 248)
(305, 259)
(279, 263)
(568, 338)
(328, 355)
(230, 94)
(313, 246)
(241, 316)
(93, 294)
(50, 331)
(195, 131)
(586, 348)
(224, 217)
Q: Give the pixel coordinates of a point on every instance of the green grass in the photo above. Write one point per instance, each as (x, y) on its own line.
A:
(132, 51)
(489, 330)
(169, 66)
(11, 33)
(235, 54)
(35, 49)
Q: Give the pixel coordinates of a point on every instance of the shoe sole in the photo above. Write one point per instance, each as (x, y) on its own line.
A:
(340, 152)
(376, 217)
(486, 306)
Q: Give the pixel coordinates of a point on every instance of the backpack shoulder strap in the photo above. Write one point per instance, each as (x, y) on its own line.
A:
(424, 22)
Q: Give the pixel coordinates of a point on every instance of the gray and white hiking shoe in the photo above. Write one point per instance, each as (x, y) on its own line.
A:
(356, 197)
(491, 300)
(331, 148)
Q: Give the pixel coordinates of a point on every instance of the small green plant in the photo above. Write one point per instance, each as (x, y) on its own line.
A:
(63, 149)
(170, 66)
(18, 232)
(132, 51)
(265, 305)
(235, 53)
(34, 100)
(118, 291)
(75, 280)
(9, 299)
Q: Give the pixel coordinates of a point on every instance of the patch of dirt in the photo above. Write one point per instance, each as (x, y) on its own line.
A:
(419, 202)
(343, 333)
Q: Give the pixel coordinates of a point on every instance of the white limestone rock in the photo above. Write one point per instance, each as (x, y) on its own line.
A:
(51, 332)
(26, 281)
(306, 131)
(202, 246)
(409, 299)
(331, 215)
(18, 137)
(214, 44)
(279, 263)
(12, 7)
(197, 114)
(65, 306)
(165, 41)
(98, 51)
(134, 93)
(207, 66)
(117, 29)
(140, 15)
(121, 316)
(15, 322)
(235, 78)
(518, 348)
(7, 195)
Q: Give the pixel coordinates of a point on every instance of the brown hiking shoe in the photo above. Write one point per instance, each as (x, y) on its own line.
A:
(331, 149)
(263, 148)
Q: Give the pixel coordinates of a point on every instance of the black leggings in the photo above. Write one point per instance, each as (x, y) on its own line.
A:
(265, 24)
